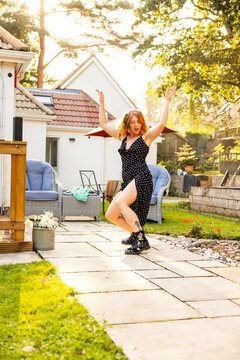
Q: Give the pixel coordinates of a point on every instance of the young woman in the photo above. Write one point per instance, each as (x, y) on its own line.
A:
(130, 206)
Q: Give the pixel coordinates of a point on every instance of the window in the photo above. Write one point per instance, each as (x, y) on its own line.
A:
(44, 99)
(52, 152)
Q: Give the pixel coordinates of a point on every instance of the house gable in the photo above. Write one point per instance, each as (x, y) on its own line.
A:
(92, 75)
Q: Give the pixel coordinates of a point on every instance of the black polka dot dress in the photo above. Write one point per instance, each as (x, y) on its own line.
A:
(134, 167)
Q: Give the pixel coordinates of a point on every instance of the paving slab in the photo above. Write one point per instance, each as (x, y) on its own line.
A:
(70, 265)
(214, 308)
(200, 288)
(157, 274)
(108, 246)
(183, 268)
(63, 250)
(237, 301)
(171, 255)
(106, 281)
(197, 339)
(207, 263)
(137, 306)
(18, 258)
(136, 262)
(113, 235)
(230, 273)
(88, 237)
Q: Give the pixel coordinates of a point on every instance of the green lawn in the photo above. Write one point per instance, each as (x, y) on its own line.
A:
(38, 310)
(228, 227)
(177, 223)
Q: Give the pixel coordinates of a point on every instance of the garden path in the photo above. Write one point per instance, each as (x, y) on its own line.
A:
(167, 303)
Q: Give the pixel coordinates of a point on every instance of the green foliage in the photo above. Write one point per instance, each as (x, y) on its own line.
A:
(196, 231)
(38, 310)
(15, 18)
(235, 150)
(31, 75)
(197, 43)
(186, 155)
(169, 165)
(173, 191)
(184, 205)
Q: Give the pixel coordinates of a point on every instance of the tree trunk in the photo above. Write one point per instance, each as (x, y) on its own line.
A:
(41, 57)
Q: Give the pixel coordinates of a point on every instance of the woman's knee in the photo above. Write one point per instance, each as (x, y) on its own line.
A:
(119, 203)
(111, 214)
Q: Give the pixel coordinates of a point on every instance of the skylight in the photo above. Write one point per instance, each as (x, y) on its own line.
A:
(44, 99)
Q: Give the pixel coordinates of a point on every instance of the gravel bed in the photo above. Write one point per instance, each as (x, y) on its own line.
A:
(225, 251)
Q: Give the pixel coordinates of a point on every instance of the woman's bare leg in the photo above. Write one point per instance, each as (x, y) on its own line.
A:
(113, 214)
(120, 206)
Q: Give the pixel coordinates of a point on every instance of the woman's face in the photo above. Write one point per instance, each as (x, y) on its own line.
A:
(135, 126)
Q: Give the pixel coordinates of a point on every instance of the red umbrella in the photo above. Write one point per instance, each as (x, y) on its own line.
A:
(100, 132)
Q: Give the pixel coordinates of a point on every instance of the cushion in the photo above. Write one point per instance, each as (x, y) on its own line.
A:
(41, 195)
(39, 175)
(70, 194)
(154, 200)
(160, 177)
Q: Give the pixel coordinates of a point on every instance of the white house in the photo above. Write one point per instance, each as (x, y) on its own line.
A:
(76, 110)
(14, 60)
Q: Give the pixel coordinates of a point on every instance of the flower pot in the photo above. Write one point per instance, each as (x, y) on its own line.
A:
(43, 239)
(189, 168)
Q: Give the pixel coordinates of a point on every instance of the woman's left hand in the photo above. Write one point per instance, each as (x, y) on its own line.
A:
(170, 92)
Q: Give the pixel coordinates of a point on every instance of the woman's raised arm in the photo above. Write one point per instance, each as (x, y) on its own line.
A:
(156, 130)
(110, 129)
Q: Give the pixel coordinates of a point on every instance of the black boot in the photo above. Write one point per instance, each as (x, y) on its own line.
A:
(140, 244)
(143, 244)
(128, 241)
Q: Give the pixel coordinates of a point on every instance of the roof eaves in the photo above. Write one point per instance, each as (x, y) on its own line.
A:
(67, 77)
(9, 39)
(34, 100)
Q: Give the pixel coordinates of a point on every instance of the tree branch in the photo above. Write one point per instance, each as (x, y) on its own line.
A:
(203, 9)
(195, 19)
(45, 65)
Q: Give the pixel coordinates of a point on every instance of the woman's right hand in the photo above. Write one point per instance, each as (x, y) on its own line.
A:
(101, 97)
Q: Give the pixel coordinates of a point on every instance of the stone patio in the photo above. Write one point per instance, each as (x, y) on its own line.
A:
(167, 303)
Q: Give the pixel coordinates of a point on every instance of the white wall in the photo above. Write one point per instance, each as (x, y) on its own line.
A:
(34, 132)
(112, 160)
(7, 94)
(92, 78)
(82, 154)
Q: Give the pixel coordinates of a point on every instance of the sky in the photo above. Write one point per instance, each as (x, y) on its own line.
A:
(132, 77)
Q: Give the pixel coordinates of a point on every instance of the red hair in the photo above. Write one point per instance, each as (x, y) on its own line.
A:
(124, 128)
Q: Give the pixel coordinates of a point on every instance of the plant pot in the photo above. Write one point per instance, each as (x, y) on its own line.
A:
(43, 239)
(189, 168)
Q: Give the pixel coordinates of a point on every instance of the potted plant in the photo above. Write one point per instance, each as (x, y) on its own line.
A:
(186, 157)
(43, 230)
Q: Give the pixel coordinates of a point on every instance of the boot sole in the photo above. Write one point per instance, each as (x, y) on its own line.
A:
(137, 252)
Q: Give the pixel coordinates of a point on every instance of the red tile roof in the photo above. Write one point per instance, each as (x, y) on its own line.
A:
(72, 109)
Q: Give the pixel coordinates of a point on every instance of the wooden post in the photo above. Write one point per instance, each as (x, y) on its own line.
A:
(18, 175)
(17, 149)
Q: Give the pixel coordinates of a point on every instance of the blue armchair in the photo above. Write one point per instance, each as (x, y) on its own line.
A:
(43, 190)
(161, 184)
